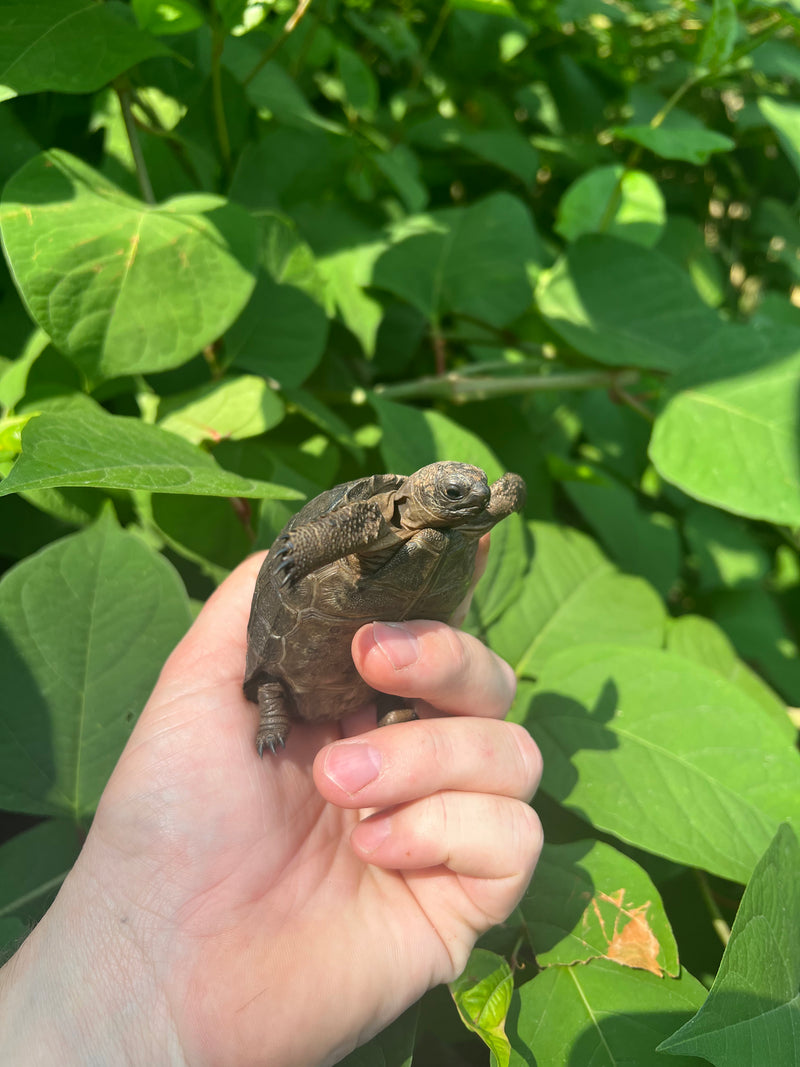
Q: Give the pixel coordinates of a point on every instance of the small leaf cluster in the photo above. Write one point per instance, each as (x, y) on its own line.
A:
(253, 249)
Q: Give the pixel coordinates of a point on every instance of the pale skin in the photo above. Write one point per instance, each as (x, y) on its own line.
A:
(227, 910)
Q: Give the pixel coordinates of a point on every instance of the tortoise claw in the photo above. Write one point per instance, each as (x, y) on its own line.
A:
(284, 550)
(286, 563)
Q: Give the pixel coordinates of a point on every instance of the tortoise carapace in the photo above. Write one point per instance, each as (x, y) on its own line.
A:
(387, 548)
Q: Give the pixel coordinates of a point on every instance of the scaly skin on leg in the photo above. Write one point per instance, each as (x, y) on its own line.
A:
(508, 495)
(274, 721)
(331, 537)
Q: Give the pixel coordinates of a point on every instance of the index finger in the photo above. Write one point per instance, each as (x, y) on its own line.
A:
(431, 661)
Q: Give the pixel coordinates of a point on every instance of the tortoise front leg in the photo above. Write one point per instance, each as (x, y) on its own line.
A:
(274, 719)
(349, 529)
(508, 495)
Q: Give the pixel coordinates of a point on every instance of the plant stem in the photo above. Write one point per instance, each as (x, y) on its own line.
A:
(123, 92)
(634, 403)
(224, 141)
(433, 40)
(291, 23)
(459, 389)
(723, 931)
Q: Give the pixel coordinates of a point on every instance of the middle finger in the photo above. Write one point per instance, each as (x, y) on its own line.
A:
(396, 764)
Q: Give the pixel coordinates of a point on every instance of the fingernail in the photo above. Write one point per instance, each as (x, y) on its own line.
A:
(373, 832)
(397, 643)
(352, 766)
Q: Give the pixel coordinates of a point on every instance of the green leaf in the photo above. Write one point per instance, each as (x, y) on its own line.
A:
(281, 334)
(392, 1047)
(486, 7)
(613, 200)
(701, 640)
(564, 601)
(726, 553)
(67, 46)
(95, 448)
(360, 86)
(145, 288)
(345, 275)
(274, 91)
(74, 690)
(719, 37)
(482, 994)
(465, 260)
(752, 619)
(728, 434)
(589, 901)
(638, 541)
(600, 1014)
(752, 1014)
(413, 438)
(785, 120)
(232, 408)
(664, 754)
(691, 143)
(625, 305)
(167, 16)
(33, 864)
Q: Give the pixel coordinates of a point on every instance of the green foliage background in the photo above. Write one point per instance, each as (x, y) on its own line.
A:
(253, 250)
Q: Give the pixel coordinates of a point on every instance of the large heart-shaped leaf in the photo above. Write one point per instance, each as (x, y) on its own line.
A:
(85, 627)
(728, 434)
(625, 305)
(144, 288)
(67, 46)
(663, 753)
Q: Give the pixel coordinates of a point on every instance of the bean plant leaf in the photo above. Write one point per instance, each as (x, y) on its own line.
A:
(482, 994)
(785, 120)
(642, 542)
(74, 691)
(564, 601)
(167, 17)
(392, 1047)
(589, 901)
(719, 36)
(752, 1014)
(33, 864)
(623, 203)
(692, 143)
(641, 743)
(145, 288)
(599, 1013)
(233, 408)
(281, 334)
(469, 260)
(625, 305)
(728, 433)
(701, 640)
(116, 452)
(67, 46)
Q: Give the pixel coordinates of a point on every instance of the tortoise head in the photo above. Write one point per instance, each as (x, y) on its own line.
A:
(443, 494)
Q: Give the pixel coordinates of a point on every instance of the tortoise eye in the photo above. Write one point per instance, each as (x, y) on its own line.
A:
(454, 492)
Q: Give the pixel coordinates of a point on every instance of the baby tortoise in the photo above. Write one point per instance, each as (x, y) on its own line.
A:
(385, 548)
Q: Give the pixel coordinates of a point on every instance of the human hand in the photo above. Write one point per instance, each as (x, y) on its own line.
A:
(227, 910)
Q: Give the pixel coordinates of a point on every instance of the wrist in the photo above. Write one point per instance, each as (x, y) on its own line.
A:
(75, 994)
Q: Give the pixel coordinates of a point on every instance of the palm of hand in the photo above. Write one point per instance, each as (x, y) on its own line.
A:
(268, 937)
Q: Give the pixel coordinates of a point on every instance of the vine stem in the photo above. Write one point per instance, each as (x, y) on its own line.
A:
(289, 26)
(123, 92)
(721, 928)
(459, 389)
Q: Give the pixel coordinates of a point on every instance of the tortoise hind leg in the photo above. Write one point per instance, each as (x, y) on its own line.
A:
(274, 719)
